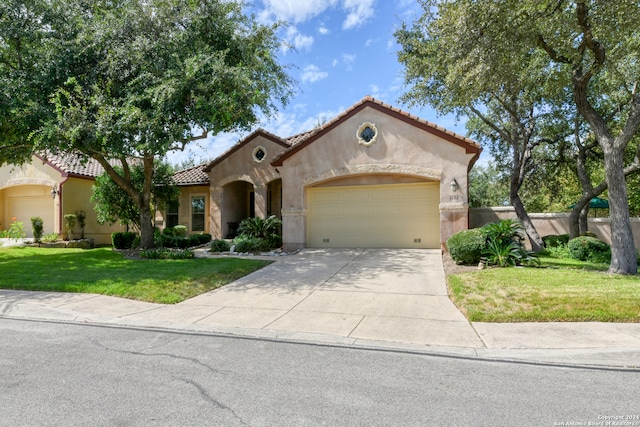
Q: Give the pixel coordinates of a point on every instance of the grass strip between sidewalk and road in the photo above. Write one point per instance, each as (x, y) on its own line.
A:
(561, 291)
(104, 271)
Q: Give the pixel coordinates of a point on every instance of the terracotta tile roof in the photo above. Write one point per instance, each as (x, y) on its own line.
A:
(192, 176)
(296, 139)
(77, 165)
(300, 141)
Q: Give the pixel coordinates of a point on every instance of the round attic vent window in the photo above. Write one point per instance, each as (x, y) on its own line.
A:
(367, 134)
(259, 154)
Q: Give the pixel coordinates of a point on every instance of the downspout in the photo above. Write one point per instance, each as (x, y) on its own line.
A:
(65, 177)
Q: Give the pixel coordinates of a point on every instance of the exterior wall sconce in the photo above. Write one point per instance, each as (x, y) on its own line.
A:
(54, 191)
(454, 186)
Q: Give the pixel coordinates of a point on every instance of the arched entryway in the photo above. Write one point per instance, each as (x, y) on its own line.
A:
(238, 203)
(274, 198)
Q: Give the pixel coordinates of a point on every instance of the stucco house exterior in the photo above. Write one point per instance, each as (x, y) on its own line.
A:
(374, 176)
(51, 187)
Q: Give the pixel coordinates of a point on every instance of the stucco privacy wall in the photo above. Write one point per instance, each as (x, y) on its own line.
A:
(550, 223)
(402, 152)
(237, 173)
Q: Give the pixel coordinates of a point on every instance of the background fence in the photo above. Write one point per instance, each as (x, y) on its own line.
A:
(549, 223)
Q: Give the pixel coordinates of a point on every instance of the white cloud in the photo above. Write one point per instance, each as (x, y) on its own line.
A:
(359, 12)
(293, 38)
(346, 59)
(298, 11)
(295, 11)
(371, 42)
(312, 74)
(323, 30)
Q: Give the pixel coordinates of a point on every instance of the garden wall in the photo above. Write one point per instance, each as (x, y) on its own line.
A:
(550, 223)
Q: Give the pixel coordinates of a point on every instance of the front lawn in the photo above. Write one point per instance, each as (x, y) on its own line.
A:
(103, 271)
(561, 291)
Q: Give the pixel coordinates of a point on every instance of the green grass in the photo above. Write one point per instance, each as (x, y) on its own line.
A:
(103, 271)
(563, 290)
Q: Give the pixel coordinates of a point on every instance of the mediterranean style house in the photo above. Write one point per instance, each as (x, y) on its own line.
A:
(374, 176)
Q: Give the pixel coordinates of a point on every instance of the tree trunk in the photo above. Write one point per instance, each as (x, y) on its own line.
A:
(584, 220)
(146, 218)
(623, 250)
(146, 228)
(534, 238)
(574, 223)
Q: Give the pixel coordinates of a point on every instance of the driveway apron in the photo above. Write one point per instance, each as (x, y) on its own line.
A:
(386, 295)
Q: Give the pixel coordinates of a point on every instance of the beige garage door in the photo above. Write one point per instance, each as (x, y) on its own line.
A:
(374, 216)
(24, 208)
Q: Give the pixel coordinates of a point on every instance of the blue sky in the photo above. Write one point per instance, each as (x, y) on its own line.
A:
(343, 51)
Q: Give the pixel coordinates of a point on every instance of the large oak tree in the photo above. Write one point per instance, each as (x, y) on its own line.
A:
(131, 80)
(587, 47)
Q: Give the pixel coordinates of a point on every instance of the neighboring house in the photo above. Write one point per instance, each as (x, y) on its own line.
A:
(374, 176)
(50, 188)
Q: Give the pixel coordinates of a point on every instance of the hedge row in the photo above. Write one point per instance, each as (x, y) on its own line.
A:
(129, 240)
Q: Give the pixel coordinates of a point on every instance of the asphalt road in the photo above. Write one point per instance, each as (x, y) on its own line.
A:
(75, 375)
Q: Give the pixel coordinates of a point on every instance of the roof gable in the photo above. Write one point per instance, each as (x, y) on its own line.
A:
(303, 140)
(259, 132)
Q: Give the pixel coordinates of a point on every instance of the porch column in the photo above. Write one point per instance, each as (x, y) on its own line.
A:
(453, 218)
(260, 200)
(215, 212)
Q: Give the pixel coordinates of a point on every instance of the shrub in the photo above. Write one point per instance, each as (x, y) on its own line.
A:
(194, 240)
(180, 231)
(123, 239)
(505, 244)
(465, 247)
(204, 238)
(16, 230)
(586, 248)
(50, 238)
(561, 251)
(507, 254)
(182, 242)
(81, 216)
(250, 244)
(70, 222)
(553, 241)
(167, 241)
(38, 226)
(504, 231)
(164, 253)
(220, 246)
(261, 228)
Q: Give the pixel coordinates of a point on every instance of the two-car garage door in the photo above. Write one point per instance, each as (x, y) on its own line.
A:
(374, 216)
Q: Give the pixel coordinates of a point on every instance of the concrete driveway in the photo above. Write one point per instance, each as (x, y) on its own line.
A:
(360, 294)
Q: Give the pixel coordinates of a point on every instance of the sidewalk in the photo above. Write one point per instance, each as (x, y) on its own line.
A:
(361, 298)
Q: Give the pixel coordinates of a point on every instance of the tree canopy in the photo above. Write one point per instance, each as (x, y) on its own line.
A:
(113, 205)
(535, 65)
(131, 79)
